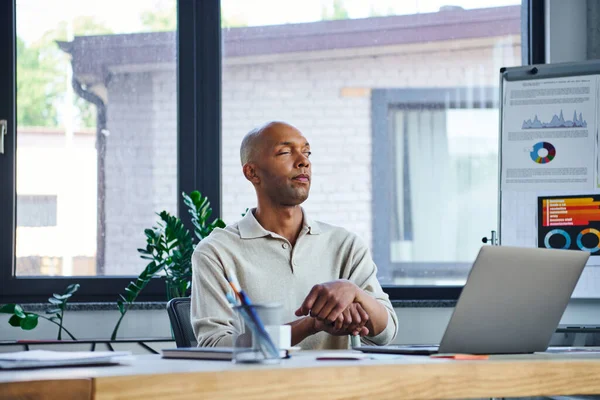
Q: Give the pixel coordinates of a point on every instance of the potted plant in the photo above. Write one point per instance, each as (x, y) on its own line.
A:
(169, 248)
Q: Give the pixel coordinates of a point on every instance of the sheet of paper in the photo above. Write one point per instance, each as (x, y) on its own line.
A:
(48, 355)
(46, 358)
(549, 134)
(518, 219)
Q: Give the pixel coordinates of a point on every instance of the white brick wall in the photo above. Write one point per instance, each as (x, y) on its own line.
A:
(307, 94)
(141, 161)
(141, 154)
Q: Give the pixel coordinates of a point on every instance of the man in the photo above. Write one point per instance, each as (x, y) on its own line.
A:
(322, 275)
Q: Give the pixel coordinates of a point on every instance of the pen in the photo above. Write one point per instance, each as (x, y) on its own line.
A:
(252, 317)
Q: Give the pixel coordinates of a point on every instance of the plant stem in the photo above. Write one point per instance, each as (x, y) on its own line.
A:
(61, 327)
(62, 314)
(113, 336)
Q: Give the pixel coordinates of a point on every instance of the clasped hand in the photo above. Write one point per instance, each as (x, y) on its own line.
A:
(334, 310)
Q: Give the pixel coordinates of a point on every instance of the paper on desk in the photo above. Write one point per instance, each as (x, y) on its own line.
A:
(48, 355)
(48, 358)
(342, 355)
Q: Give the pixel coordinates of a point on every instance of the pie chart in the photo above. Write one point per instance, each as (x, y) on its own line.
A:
(543, 152)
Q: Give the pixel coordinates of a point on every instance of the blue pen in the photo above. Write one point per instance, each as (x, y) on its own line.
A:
(243, 313)
(253, 318)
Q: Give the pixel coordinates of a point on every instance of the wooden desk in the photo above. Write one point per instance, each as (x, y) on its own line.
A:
(302, 377)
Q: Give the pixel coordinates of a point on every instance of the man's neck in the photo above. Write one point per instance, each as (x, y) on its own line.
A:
(284, 221)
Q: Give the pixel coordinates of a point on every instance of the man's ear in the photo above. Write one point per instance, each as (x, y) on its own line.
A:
(250, 173)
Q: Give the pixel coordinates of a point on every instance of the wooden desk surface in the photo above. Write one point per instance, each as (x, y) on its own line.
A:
(303, 377)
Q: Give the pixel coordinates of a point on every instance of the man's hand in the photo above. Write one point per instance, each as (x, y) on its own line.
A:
(327, 301)
(352, 321)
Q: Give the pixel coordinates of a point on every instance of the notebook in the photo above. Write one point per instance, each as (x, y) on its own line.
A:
(206, 353)
(199, 353)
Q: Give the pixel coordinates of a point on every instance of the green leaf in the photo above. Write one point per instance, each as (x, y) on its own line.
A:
(29, 322)
(60, 296)
(72, 288)
(8, 308)
(195, 196)
(19, 311)
(53, 311)
(52, 300)
(172, 244)
(129, 295)
(15, 320)
(154, 268)
(120, 306)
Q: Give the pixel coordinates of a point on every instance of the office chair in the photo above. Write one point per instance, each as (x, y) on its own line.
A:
(179, 315)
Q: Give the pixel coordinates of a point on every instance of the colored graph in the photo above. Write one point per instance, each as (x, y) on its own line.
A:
(578, 211)
(557, 121)
(570, 222)
(548, 156)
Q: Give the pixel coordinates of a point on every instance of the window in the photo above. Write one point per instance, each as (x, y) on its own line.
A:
(141, 122)
(387, 94)
(107, 142)
(95, 135)
(442, 146)
(36, 211)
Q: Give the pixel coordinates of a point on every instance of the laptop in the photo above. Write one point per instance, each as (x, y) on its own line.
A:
(512, 303)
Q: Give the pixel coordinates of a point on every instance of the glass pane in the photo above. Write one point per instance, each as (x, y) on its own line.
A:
(96, 158)
(317, 65)
(444, 190)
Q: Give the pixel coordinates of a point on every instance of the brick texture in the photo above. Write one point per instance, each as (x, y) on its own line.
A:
(326, 98)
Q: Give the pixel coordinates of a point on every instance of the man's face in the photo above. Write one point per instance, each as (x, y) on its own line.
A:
(282, 165)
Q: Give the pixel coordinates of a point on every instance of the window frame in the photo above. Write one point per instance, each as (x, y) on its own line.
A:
(532, 52)
(533, 32)
(384, 101)
(199, 146)
(199, 149)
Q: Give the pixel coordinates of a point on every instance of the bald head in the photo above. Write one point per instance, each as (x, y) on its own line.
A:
(275, 159)
(253, 140)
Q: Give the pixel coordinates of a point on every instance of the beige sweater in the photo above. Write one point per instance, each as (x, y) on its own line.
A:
(270, 270)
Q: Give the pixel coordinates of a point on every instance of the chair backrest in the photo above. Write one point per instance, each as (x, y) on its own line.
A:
(179, 315)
